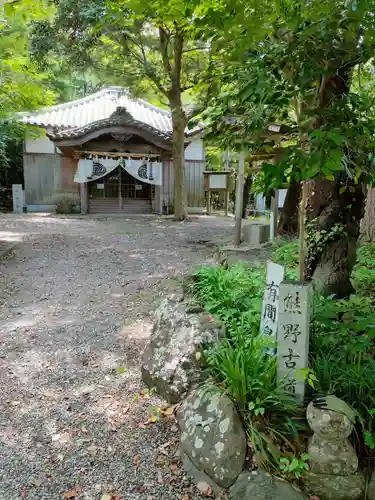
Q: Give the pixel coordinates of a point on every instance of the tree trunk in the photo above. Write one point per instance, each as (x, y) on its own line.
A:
(368, 221)
(178, 152)
(332, 217)
(288, 222)
(332, 230)
(246, 194)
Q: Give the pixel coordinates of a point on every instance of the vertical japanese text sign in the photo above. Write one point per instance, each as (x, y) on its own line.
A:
(270, 308)
(17, 196)
(293, 333)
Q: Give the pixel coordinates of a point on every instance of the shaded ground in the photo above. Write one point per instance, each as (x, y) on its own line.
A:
(74, 319)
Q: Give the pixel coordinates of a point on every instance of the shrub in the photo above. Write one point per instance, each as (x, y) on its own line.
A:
(363, 276)
(286, 254)
(66, 203)
(228, 293)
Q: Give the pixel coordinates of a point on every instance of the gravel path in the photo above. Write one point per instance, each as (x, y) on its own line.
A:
(74, 319)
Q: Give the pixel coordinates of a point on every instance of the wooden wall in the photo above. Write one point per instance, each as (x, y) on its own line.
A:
(42, 173)
(193, 182)
(46, 175)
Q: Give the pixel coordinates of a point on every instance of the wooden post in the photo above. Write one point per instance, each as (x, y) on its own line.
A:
(301, 249)
(274, 215)
(119, 188)
(226, 202)
(239, 198)
(83, 195)
(209, 211)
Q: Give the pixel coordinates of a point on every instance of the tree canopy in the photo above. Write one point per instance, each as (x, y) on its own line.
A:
(293, 62)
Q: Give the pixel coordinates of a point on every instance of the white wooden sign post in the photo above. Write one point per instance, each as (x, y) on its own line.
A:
(17, 195)
(270, 309)
(293, 334)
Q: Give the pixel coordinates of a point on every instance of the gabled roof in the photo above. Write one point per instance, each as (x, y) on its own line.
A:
(101, 106)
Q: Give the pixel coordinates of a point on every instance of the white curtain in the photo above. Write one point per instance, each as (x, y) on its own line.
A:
(90, 170)
(144, 170)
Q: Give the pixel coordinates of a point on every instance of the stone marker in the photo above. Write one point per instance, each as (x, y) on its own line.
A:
(270, 308)
(333, 473)
(293, 333)
(17, 195)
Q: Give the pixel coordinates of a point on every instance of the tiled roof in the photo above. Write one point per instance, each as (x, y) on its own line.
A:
(100, 106)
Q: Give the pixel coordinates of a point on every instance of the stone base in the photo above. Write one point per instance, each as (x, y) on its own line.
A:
(259, 485)
(371, 488)
(329, 487)
(254, 234)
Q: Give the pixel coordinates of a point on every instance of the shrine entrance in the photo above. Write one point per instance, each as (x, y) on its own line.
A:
(117, 192)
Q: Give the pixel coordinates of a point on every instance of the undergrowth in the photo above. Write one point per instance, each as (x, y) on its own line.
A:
(341, 354)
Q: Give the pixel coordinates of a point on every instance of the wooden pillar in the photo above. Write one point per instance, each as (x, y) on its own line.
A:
(226, 202)
(83, 196)
(239, 199)
(119, 188)
(274, 215)
(301, 249)
(209, 208)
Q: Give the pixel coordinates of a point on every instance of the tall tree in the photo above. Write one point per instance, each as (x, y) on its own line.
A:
(276, 54)
(22, 86)
(139, 41)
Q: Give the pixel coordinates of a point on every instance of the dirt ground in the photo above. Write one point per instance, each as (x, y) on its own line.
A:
(75, 305)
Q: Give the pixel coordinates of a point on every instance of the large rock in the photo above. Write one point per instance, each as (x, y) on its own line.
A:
(330, 487)
(259, 485)
(212, 436)
(173, 359)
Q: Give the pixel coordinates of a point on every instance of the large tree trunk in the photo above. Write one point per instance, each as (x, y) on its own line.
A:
(368, 221)
(332, 230)
(246, 194)
(288, 221)
(178, 152)
(332, 217)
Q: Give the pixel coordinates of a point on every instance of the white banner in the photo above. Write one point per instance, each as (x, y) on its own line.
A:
(145, 170)
(90, 170)
(142, 170)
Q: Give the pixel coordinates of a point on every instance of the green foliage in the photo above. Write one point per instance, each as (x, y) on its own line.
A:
(133, 43)
(341, 356)
(363, 276)
(286, 254)
(342, 352)
(240, 365)
(294, 468)
(286, 62)
(233, 294)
